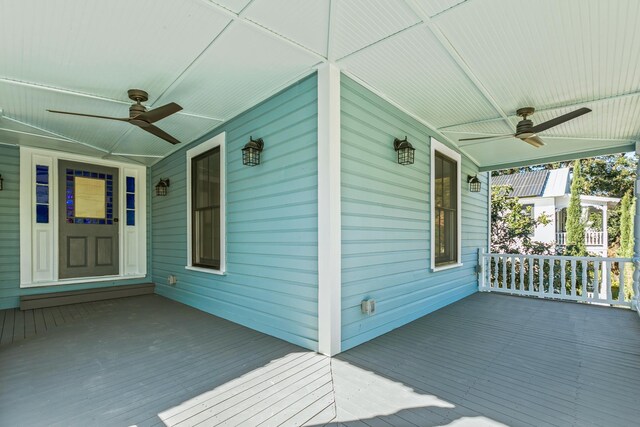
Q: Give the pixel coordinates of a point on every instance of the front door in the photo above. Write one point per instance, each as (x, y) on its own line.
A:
(88, 218)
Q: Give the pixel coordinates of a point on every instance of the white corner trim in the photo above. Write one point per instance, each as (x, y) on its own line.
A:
(452, 154)
(329, 212)
(217, 141)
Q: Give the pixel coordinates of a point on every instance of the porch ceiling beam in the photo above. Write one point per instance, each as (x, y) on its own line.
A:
(546, 109)
(239, 17)
(457, 58)
(91, 96)
(577, 138)
(57, 135)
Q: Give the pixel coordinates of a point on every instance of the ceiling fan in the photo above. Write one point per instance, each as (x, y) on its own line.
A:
(526, 131)
(139, 116)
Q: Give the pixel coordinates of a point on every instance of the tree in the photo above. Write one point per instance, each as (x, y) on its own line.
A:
(575, 226)
(626, 230)
(512, 225)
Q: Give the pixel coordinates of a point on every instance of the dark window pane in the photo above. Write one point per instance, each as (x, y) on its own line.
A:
(131, 184)
(131, 217)
(205, 197)
(42, 194)
(42, 174)
(131, 201)
(42, 214)
(446, 210)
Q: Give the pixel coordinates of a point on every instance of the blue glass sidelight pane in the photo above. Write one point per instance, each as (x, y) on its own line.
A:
(42, 174)
(42, 214)
(42, 194)
(131, 184)
(131, 201)
(131, 217)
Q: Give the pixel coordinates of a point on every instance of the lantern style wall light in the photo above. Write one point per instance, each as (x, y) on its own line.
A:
(162, 186)
(474, 183)
(251, 152)
(405, 151)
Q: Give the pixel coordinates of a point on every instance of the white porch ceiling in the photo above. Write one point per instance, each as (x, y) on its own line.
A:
(461, 66)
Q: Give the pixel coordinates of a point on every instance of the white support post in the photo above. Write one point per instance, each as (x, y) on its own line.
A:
(329, 212)
(635, 302)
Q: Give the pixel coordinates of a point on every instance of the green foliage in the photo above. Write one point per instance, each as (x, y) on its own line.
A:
(609, 176)
(575, 227)
(595, 221)
(512, 226)
(626, 229)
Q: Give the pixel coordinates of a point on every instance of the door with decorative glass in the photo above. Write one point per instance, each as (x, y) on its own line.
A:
(88, 220)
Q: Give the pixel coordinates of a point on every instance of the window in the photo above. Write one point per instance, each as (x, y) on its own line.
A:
(205, 195)
(445, 202)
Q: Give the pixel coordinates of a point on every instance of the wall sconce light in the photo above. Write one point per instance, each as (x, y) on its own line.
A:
(161, 187)
(474, 183)
(405, 151)
(1, 187)
(251, 152)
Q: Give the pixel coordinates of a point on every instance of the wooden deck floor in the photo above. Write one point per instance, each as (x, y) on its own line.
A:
(486, 360)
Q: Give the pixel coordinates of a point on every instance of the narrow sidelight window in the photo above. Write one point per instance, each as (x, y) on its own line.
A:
(446, 210)
(205, 210)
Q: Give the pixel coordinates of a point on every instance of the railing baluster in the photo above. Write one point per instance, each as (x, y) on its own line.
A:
(496, 271)
(541, 277)
(504, 272)
(563, 278)
(596, 280)
(521, 264)
(606, 278)
(530, 275)
(573, 278)
(551, 273)
(622, 286)
(513, 273)
(585, 286)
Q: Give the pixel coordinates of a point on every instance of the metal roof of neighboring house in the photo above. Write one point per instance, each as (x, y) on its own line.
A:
(525, 184)
(558, 183)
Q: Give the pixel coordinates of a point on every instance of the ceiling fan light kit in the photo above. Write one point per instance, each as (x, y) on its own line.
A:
(139, 116)
(527, 132)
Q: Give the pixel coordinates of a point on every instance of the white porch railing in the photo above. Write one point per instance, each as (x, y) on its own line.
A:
(591, 238)
(585, 279)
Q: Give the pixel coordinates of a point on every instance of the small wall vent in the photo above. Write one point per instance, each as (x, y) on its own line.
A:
(368, 306)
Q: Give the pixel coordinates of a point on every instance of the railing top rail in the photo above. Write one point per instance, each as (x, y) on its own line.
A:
(561, 257)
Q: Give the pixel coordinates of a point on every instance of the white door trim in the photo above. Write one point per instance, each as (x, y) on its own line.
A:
(39, 242)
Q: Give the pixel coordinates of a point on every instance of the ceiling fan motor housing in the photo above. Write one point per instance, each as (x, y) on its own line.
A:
(523, 126)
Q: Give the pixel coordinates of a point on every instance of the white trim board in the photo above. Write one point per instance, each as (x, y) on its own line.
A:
(329, 212)
(39, 242)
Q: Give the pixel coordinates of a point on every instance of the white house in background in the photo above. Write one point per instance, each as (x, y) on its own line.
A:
(548, 192)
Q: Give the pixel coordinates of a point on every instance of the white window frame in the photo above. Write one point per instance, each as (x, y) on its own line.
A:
(454, 155)
(217, 141)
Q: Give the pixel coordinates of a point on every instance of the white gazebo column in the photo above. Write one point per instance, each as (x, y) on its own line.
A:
(636, 239)
(329, 212)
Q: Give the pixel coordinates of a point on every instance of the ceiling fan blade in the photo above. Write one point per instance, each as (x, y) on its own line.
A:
(89, 115)
(160, 133)
(534, 140)
(486, 137)
(159, 113)
(558, 120)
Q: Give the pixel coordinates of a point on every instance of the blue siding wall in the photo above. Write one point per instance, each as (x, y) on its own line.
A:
(10, 238)
(385, 221)
(272, 276)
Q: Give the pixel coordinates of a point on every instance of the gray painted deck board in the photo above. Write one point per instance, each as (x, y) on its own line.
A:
(486, 360)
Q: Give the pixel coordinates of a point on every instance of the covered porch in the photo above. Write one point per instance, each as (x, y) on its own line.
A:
(486, 360)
